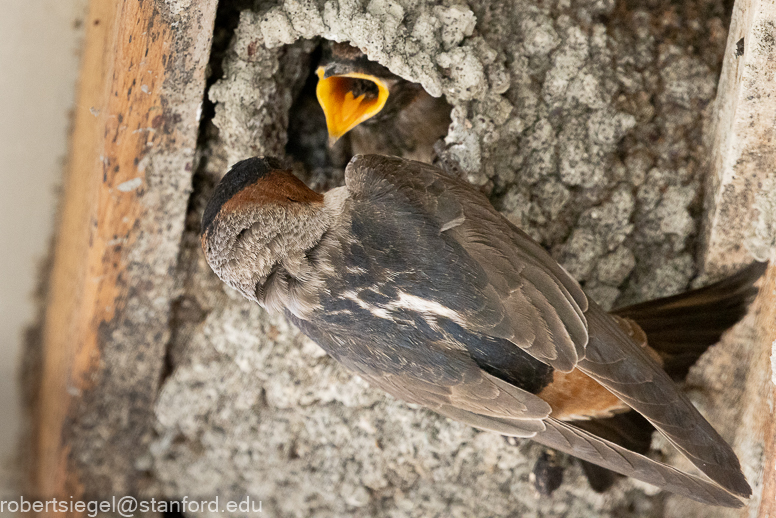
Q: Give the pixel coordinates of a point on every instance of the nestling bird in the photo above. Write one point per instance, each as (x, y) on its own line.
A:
(411, 279)
(382, 112)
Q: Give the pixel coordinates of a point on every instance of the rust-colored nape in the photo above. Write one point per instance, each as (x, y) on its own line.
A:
(279, 187)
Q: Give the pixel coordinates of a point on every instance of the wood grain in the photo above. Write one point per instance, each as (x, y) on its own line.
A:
(127, 185)
(766, 332)
(738, 228)
(743, 141)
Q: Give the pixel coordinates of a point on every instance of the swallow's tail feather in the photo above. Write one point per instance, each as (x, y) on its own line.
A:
(682, 327)
(579, 443)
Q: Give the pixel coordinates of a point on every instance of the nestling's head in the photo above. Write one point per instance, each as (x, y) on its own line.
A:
(351, 89)
(260, 217)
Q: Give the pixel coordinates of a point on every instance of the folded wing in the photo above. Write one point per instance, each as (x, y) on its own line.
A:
(533, 303)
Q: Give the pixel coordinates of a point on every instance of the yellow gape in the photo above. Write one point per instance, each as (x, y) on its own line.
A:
(342, 109)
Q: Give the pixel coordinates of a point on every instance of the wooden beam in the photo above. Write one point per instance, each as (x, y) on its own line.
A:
(743, 140)
(739, 226)
(766, 340)
(122, 214)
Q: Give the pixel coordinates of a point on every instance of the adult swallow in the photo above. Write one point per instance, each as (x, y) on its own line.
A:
(411, 279)
(382, 112)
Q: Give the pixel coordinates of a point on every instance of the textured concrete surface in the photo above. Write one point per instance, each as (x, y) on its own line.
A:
(582, 120)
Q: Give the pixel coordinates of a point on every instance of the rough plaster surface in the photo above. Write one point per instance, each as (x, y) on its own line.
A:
(582, 120)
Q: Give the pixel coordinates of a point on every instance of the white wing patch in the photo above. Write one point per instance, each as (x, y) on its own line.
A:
(457, 222)
(427, 308)
(376, 311)
(423, 306)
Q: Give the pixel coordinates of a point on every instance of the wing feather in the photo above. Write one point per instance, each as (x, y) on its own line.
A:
(479, 393)
(625, 369)
(538, 306)
(574, 441)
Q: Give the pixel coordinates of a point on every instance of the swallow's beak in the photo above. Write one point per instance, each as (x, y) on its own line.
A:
(344, 110)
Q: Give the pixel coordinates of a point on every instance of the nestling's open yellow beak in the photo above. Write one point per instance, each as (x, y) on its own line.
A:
(342, 109)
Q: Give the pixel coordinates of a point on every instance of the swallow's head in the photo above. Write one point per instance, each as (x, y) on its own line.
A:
(260, 217)
(351, 89)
